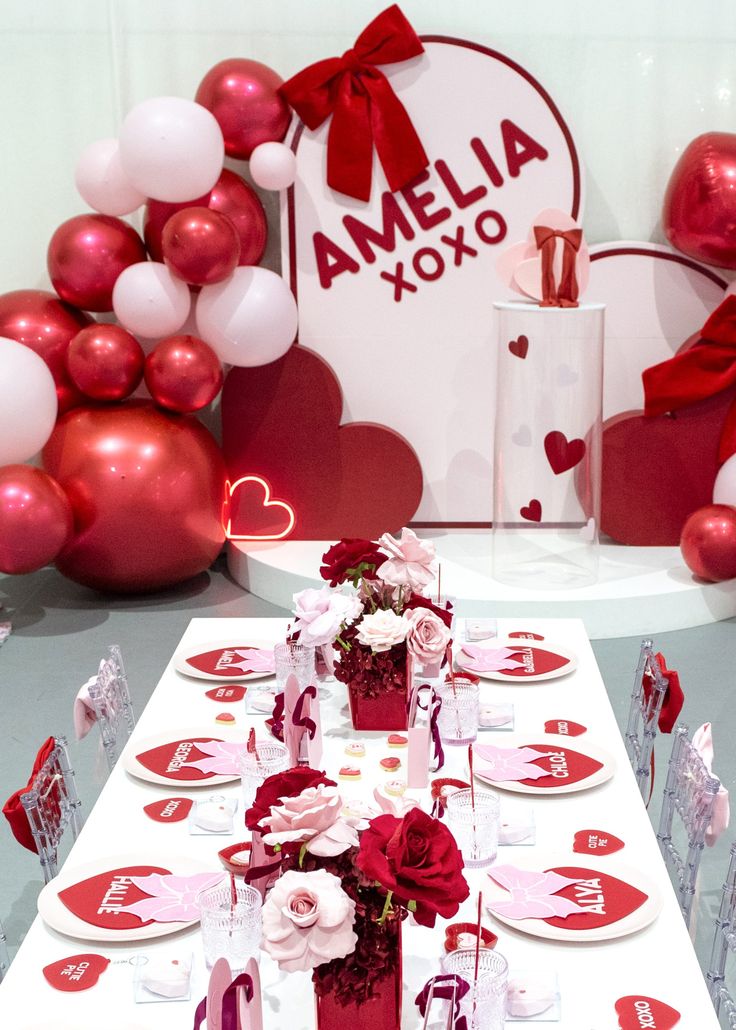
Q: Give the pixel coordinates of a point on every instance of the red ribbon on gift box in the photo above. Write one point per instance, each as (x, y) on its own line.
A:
(365, 110)
(703, 370)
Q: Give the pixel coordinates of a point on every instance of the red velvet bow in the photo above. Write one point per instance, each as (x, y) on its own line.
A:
(13, 809)
(364, 108)
(566, 294)
(699, 372)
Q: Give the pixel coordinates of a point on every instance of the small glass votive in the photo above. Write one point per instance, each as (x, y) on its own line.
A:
(231, 931)
(294, 659)
(475, 828)
(268, 758)
(484, 1006)
(458, 718)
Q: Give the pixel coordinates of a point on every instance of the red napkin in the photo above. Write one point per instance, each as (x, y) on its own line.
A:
(673, 698)
(13, 809)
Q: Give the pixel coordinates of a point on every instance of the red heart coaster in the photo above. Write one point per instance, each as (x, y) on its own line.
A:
(226, 695)
(636, 1012)
(563, 454)
(565, 727)
(170, 759)
(596, 842)
(566, 766)
(519, 347)
(76, 973)
(605, 898)
(535, 662)
(224, 661)
(100, 899)
(170, 810)
(532, 512)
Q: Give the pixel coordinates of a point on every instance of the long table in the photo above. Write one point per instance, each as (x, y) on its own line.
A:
(657, 961)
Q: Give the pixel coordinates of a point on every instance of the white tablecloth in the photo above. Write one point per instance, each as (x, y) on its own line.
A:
(658, 961)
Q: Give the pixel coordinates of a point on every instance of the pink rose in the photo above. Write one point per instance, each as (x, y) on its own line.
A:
(411, 561)
(382, 629)
(307, 920)
(311, 818)
(320, 614)
(428, 636)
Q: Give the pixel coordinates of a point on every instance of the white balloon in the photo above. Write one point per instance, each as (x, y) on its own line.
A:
(273, 166)
(249, 319)
(28, 402)
(149, 301)
(101, 181)
(172, 149)
(724, 488)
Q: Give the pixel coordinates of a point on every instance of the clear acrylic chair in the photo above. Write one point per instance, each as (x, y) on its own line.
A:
(110, 698)
(647, 697)
(4, 955)
(689, 794)
(51, 804)
(724, 943)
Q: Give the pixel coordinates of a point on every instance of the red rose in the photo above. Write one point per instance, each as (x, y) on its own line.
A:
(343, 561)
(283, 785)
(417, 858)
(418, 601)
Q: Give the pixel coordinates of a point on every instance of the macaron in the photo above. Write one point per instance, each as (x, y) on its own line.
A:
(349, 772)
(225, 717)
(390, 764)
(355, 749)
(397, 740)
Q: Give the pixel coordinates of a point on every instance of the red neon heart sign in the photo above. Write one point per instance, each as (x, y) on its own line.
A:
(250, 513)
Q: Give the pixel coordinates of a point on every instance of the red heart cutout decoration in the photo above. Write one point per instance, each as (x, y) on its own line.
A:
(637, 1012)
(536, 661)
(606, 899)
(226, 695)
(596, 842)
(565, 765)
(168, 759)
(221, 662)
(281, 422)
(76, 973)
(170, 810)
(519, 347)
(250, 513)
(565, 727)
(563, 454)
(98, 900)
(532, 512)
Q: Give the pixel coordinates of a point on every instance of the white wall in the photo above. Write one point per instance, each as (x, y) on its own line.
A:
(636, 80)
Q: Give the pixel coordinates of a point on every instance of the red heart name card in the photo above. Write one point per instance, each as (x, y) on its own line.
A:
(565, 727)
(637, 1012)
(176, 759)
(226, 695)
(596, 842)
(605, 899)
(170, 810)
(236, 661)
(101, 900)
(76, 973)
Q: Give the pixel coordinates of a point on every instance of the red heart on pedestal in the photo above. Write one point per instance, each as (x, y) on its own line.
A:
(605, 898)
(636, 1011)
(596, 842)
(532, 512)
(563, 454)
(519, 347)
(281, 422)
(77, 972)
(100, 899)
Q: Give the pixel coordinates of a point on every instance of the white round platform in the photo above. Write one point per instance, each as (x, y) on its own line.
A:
(641, 590)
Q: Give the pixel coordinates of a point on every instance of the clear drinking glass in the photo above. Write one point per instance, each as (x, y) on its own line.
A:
(475, 828)
(484, 1006)
(458, 718)
(270, 757)
(230, 931)
(293, 659)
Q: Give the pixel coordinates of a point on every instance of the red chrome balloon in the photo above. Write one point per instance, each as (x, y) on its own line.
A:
(708, 542)
(243, 97)
(105, 362)
(183, 374)
(200, 246)
(35, 519)
(699, 212)
(146, 489)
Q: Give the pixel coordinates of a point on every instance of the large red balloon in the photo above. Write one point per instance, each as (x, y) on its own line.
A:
(147, 491)
(708, 542)
(105, 362)
(183, 374)
(243, 96)
(230, 196)
(200, 246)
(87, 254)
(35, 519)
(699, 212)
(45, 324)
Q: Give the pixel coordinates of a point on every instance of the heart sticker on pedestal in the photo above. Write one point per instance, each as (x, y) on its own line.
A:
(226, 695)
(605, 898)
(636, 1012)
(519, 347)
(565, 727)
(170, 810)
(563, 454)
(76, 973)
(566, 766)
(596, 842)
(100, 899)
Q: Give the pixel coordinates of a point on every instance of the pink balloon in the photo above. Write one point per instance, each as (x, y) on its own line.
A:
(183, 374)
(105, 362)
(150, 301)
(250, 319)
(87, 254)
(273, 166)
(243, 96)
(200, 246)
(101, 181)
(35, 519)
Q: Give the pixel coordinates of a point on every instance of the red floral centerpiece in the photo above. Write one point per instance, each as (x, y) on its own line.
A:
(377, 618)
(347, 883)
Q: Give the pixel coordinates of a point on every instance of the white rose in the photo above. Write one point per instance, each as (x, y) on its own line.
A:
(382, 629)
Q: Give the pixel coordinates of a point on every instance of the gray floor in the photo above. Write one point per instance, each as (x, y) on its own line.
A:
(60, 631)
